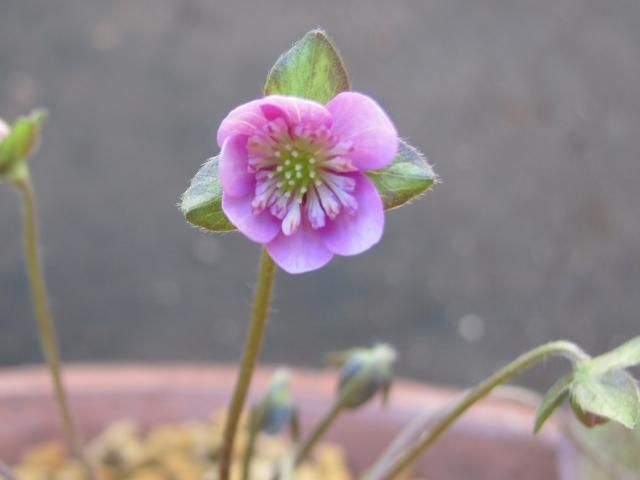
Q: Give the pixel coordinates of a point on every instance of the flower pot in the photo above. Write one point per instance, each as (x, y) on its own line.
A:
(492, 441)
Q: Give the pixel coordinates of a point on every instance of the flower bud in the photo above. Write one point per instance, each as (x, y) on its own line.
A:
(275, 410)
(365, 372)
(18, 143)
(4, 129)
(588, 419)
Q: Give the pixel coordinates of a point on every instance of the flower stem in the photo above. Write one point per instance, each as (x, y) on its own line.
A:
(252, 349)
(46, 327)
(319, 430)
(519, 365)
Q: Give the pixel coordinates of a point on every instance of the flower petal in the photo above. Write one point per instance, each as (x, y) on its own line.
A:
(242, 120)
(353, 233)
(359, 119)
(261, 228)
(233, 167)
(301, 252)
(298, 111)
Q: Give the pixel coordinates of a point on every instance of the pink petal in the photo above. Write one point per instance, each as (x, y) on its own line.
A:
(298, 111)
(233, 167)
(242, 120)
(359, 119)
(261, 228)
(301, 252)
(353, 233)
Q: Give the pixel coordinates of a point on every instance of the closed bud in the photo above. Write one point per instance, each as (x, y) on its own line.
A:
(18, 143)
(365, 373)
(275, 410)
(4, 129)
(588, 419)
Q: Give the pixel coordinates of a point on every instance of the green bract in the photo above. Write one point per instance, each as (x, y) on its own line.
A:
(19, 144)
(311, 69)
(600, 389)
(202, 202)
(613, 396)
(408, 176)
(556, 395)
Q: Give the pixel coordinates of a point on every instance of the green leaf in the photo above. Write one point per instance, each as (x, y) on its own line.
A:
(21, 142)
(613, 395)
(552, 400)
(408, 176)
(312, 69)
(202, 202)
(625, 356)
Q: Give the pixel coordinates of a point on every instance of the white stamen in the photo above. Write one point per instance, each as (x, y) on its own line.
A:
(315, 214)
(295, 153)
(291, 221)
(329, 202)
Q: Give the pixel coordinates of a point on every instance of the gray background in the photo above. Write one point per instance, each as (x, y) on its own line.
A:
(530, 110)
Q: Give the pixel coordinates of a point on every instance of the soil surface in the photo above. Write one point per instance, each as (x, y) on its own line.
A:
(530, 110)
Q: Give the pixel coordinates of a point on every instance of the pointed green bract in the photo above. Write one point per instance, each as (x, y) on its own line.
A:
(613, 395)
(312, 69)
(202, 202)
(20, 143)
(625, 356)
(408, 176)
(552, 400)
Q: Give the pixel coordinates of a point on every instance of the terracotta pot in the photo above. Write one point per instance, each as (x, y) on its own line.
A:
(493, 441)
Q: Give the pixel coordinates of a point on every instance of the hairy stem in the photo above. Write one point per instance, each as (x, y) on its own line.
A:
(519, 365)
(252, 349)
(307, 445)
(44, 320)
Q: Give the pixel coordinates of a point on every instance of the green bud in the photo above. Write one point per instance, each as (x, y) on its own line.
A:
(588, 419)
(18, 143)
(4, 129)
(365, 373)
(275, 410)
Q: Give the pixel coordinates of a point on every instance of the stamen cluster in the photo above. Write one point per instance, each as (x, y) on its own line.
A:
(300, 172)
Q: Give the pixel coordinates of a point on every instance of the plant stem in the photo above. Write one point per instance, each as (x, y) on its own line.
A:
(252, 349)
(319, 430)
(520, 364)
(44, 320)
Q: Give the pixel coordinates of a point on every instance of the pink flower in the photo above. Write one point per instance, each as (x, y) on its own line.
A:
(292, 175)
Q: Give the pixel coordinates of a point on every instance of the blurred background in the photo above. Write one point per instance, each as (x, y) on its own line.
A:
(529, 109)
